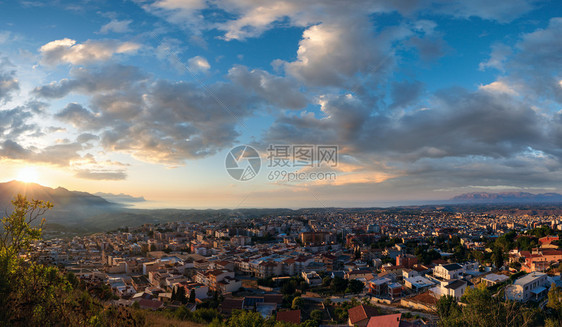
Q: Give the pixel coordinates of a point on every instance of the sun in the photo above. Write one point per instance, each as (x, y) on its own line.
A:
(28, 175)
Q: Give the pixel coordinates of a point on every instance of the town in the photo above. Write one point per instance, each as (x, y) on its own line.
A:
(345, 268)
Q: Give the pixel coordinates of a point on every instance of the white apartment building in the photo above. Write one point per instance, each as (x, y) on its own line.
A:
(533, 286)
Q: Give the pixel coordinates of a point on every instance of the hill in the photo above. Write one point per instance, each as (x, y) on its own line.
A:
(507, 197)
(70, 207)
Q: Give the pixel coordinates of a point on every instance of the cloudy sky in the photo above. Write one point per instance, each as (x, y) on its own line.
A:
(424, 99)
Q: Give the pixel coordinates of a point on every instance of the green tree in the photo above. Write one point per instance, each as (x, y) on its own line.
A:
(192, 296)
(245, 319)
(355, 286)
(298, 303)
(326, 281)
(338, 285)
(498, 257)
(481, 309)
(317, 315)
(180, 295)
(32, 294)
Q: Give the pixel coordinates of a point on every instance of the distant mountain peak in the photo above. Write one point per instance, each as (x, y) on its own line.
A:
(58, 196)
(121, 197)
(507, 197)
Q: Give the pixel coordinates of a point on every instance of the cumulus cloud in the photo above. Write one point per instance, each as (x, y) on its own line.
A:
(456, 134)
(533, 64)
(331, 54)
(92, 80)
(250, 18)
(157, 121)
(277, 91)
(68, 51)
(499, 54)
(79, 117)
(405, 93)
(198, 64)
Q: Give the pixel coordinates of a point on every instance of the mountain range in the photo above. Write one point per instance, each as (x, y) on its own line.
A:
(80, 212)
(507, 197)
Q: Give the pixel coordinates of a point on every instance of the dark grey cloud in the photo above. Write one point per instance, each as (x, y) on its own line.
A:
(456, 127)
(86, 137)
(164, 121)
(93, 79)
(79, 116)
(8, 82)
(405, 93)
(275, 90)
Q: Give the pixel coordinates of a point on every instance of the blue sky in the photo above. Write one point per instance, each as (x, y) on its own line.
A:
(424, 99)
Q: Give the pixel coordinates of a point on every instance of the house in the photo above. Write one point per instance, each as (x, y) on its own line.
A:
(290, 316)
(139, 283)
(394, 290)
(250, 302)
(454, 288)
(406, 260)
(547, 240)
(493, 279)
(385, 321)
(379, 286)
(418, 283)
(266, 309)
(533, 286)
(312, 278)
(199, 289)
(230, 304)
(150, 304)
(359, 274)
(448, 271)
(359, 316)
(273, 298)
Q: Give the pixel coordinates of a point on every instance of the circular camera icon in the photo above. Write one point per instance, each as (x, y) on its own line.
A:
(243, 163)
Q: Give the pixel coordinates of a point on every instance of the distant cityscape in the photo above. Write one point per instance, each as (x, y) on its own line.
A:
(400, 263)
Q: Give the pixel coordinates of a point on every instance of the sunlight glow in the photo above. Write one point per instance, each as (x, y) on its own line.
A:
(28, 175)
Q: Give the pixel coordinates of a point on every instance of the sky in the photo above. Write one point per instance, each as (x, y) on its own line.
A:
(416, 100)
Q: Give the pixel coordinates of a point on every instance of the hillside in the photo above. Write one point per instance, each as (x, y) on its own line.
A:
(507, 197)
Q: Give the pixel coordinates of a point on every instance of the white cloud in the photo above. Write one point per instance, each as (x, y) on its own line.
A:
(198, 64)
(68, 51)
(116, 26)
(499, 55)
(332, 54)
(498, 87)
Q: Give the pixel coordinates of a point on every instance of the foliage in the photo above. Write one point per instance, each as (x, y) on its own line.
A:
(298, 303)
(354, 286)
(202, 316)
(481, 309)
(317, 315)
(338, 285)
(32, 294)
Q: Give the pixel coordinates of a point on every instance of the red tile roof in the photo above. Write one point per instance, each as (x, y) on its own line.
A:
(385, 321)
(230, 304)
(150, 304)
(292, 316)
(361, 312)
